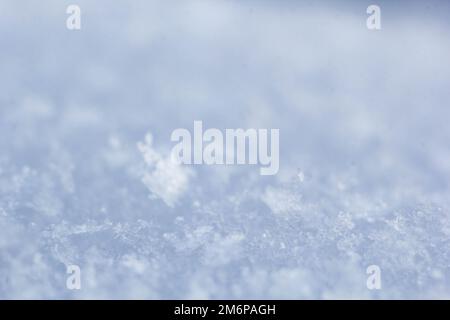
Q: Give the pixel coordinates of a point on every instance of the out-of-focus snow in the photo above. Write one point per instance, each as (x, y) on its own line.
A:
(364, 174)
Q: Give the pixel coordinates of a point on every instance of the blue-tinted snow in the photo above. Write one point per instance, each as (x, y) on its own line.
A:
(85, 124)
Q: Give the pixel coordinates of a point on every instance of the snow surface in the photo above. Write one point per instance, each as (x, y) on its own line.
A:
(85, 124)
